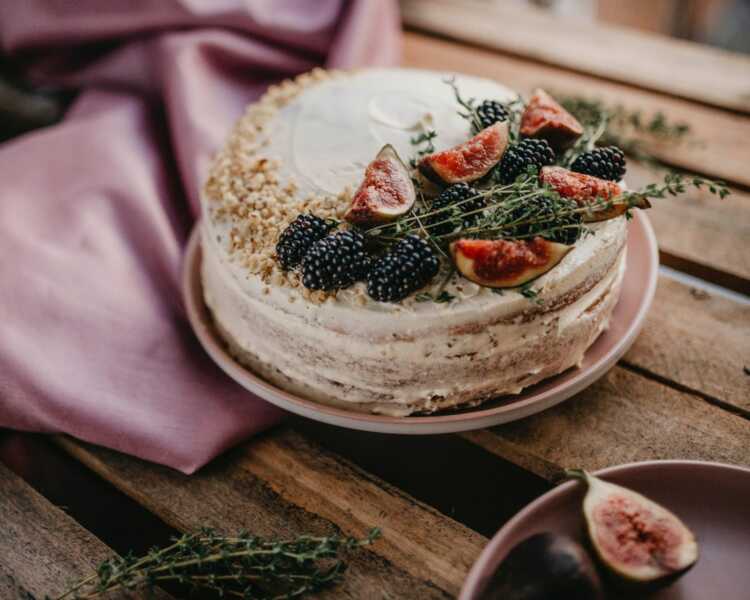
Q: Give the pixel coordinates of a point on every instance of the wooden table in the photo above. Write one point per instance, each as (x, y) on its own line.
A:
(683, 390)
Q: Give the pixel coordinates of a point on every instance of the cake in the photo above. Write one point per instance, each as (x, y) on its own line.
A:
(304, 148)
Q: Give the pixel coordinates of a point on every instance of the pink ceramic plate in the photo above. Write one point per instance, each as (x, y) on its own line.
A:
(638, 290)
(712, 499)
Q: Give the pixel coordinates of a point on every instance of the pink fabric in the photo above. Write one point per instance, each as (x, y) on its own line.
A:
(95, 211)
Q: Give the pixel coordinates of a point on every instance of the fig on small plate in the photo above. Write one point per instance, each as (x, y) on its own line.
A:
(636, 539)
(386, 193)
(545, 118)
(588, 190)
(469, 161)
(545, 566)
(506, 263)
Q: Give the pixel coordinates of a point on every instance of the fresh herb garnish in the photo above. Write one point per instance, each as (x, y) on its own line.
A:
(242, 566)
(513, 107)
(424, 145)
(624, 128)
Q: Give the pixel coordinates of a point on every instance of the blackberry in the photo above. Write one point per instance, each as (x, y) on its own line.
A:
(460, 192)
(545, 214)
(296, 239)
(531, 152)
(335, 262)
(406, 268)
(490, 112)
(605, 163)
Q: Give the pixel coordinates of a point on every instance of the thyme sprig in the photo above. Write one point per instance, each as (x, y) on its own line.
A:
(625, 128)
(424, 143)
(469, 112)
(242, 566)
(526, 209)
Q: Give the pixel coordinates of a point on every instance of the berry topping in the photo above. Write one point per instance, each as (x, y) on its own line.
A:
(527, 153)
(406, 268)
(605, 163)
(490, 112)
(335, 262)
(464, 199)
(299, 235)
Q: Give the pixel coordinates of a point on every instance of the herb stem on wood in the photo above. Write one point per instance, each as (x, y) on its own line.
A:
(243, 566)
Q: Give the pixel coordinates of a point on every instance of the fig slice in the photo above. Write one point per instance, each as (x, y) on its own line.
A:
(386, 193)
(545, 566)
(588, 190)
(545, 118)
(638, 540)
(506, 263)
(469, 161)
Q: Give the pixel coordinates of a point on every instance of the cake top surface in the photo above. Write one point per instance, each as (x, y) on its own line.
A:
(304, 147)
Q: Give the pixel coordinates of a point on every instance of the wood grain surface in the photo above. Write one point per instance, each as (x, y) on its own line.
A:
(281, 485)
(42, 550)
(700, 233)
(699, 342)
(622, 418)
(667, 65)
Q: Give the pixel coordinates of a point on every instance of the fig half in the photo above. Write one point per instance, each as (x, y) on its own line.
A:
(545, 118)
(587, 190)
(545, 566)
(469, 161)
(506, 263)
(386, 193)
(636, 539)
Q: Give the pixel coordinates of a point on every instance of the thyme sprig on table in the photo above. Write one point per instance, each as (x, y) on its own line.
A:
(624, 128)
(241, 566)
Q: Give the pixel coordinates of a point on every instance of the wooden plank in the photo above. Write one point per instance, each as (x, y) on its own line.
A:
(624, 417)
(699, 342)
(697, 232)
(655, 62)
(281, 485)
(720, 144)
(42, 550)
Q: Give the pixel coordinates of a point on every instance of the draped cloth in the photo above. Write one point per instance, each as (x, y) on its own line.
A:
(95, 211)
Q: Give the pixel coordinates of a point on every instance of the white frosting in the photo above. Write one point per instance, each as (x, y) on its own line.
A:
(397, 355)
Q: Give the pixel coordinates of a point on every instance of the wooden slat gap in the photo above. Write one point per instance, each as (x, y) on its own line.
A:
(675, 385)
(716, 276)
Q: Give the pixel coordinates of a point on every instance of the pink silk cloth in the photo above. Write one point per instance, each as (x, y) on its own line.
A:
(95, 211)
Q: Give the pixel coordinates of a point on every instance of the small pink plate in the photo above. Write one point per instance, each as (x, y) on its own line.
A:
(712, 499)
(638, 290)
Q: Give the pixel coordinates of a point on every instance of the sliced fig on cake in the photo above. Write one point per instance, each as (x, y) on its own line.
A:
(469, 161)
(545, 118)
(599, 194)
(637, 540)
(386, 193)
(506, 263)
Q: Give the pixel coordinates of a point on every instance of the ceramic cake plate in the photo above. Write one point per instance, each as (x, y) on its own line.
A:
(638, 288)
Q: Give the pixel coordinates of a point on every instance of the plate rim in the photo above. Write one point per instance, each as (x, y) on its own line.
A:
(413, 425)
(469, 587)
